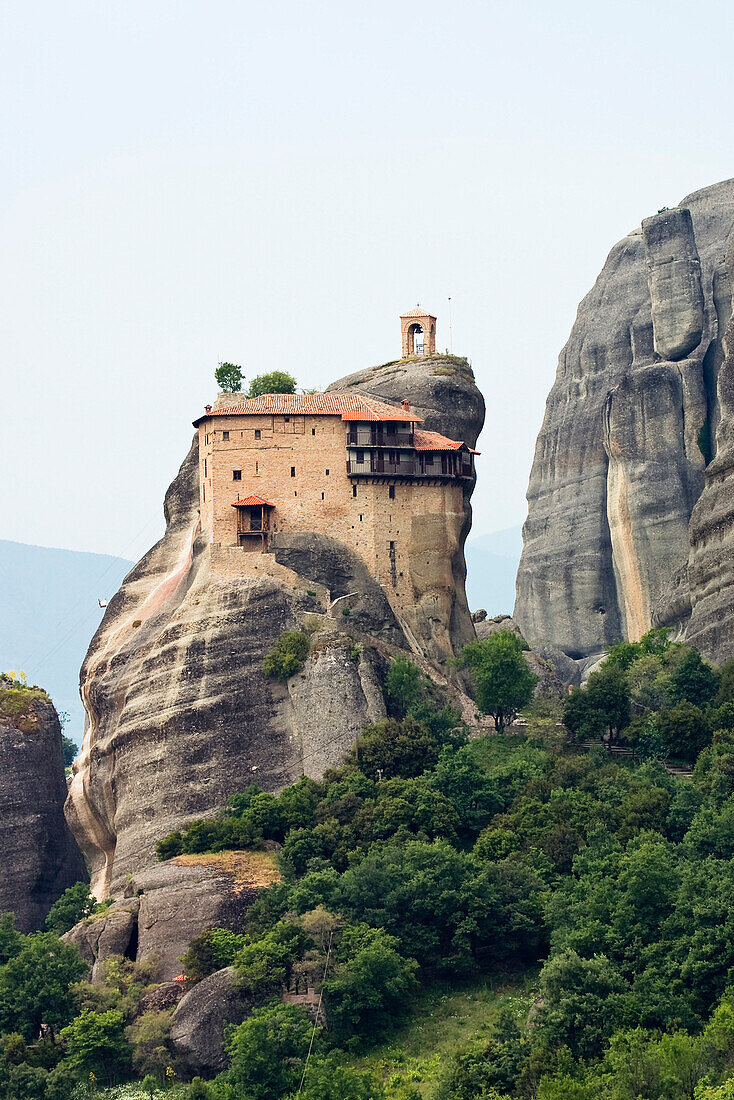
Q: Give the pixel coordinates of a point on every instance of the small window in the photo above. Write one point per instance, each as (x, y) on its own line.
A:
(296, 493)
(313, 431)
(360, 519)
(258, 433)
(322, 496)
(391, 492)
(257, 468)
(204, 488)
(293, 471)
(287, 420)
(205, 468)
(225, 435)
(237, 475)
(354, 490)
(327, 473)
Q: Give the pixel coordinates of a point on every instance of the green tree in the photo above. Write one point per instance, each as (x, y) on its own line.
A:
(504, 683)
(725, 694)
(370, 986)
(34, 985)
(580, 1002)
(267, 1052)
(685, 729)
(95, 1043)
(211, 950)
(148, 1039)
(74, 905)
(329, 1079)
(288, 655)
(396, 748)
(229, 377)
(70, 750)
(403, 686)
(11, 940)
(276, 381)
(602, 705)
(265, 963)
(693, 680)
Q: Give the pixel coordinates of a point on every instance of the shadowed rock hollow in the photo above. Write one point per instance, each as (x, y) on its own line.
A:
(629, 517)
(179, 712)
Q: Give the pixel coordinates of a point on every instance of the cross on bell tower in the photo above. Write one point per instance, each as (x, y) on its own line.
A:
(418, 329)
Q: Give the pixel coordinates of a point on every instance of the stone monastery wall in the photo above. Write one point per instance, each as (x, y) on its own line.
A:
(405, 531)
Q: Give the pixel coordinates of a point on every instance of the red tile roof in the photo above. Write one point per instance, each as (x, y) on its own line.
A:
(417, 312)
(350, 406)
(250, 501)
(434, 441)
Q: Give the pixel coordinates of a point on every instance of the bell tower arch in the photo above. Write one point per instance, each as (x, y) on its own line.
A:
(418, 330)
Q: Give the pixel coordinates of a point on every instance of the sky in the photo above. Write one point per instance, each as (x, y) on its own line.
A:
(273, 184)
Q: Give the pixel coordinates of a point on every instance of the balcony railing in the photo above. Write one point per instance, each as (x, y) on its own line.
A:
(375, 466)
(377, 436)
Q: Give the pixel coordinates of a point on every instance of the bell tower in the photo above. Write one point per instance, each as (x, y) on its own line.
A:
(418, 330)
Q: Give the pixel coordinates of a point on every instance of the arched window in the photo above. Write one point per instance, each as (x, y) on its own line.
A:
(415, 340)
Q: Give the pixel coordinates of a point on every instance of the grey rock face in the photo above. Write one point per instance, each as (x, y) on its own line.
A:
(167, 906)
(39, 855)
(180, 714)
(621, 457)
(199, 1020)
(711, 567)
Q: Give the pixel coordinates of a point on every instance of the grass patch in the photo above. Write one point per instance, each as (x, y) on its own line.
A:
(447, 1017)
(258, 869)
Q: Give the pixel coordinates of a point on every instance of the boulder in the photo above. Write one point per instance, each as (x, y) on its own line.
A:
(199, 1020)
(39, 854)
(485, 628)
(169, 903)
(113, 932)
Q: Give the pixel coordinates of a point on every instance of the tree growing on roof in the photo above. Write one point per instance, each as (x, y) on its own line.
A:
(275, 382)
(229, 377)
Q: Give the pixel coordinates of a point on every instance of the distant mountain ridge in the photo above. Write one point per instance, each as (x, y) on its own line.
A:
(49, 611)
(491, 568)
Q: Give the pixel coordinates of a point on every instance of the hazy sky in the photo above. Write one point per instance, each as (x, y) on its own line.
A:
(274, 183)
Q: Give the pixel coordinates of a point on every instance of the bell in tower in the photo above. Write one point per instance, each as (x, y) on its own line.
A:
(418, 329)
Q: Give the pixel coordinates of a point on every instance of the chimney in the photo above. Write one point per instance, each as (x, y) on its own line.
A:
(406, 406)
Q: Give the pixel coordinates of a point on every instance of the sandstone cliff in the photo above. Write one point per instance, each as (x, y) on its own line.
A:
(39, 855)
(638, 420)
(179, 712)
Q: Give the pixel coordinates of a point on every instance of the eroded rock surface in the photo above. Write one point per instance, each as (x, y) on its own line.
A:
(167, 904)
(179, 712)
(40, 857)
(638, 420)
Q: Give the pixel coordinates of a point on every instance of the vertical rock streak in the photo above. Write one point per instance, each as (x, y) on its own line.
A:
(639, 385)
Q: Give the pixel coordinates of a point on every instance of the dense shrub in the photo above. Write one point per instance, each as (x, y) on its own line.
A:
(288, 655)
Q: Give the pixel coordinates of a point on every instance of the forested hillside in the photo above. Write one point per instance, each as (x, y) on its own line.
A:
(571, 905)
